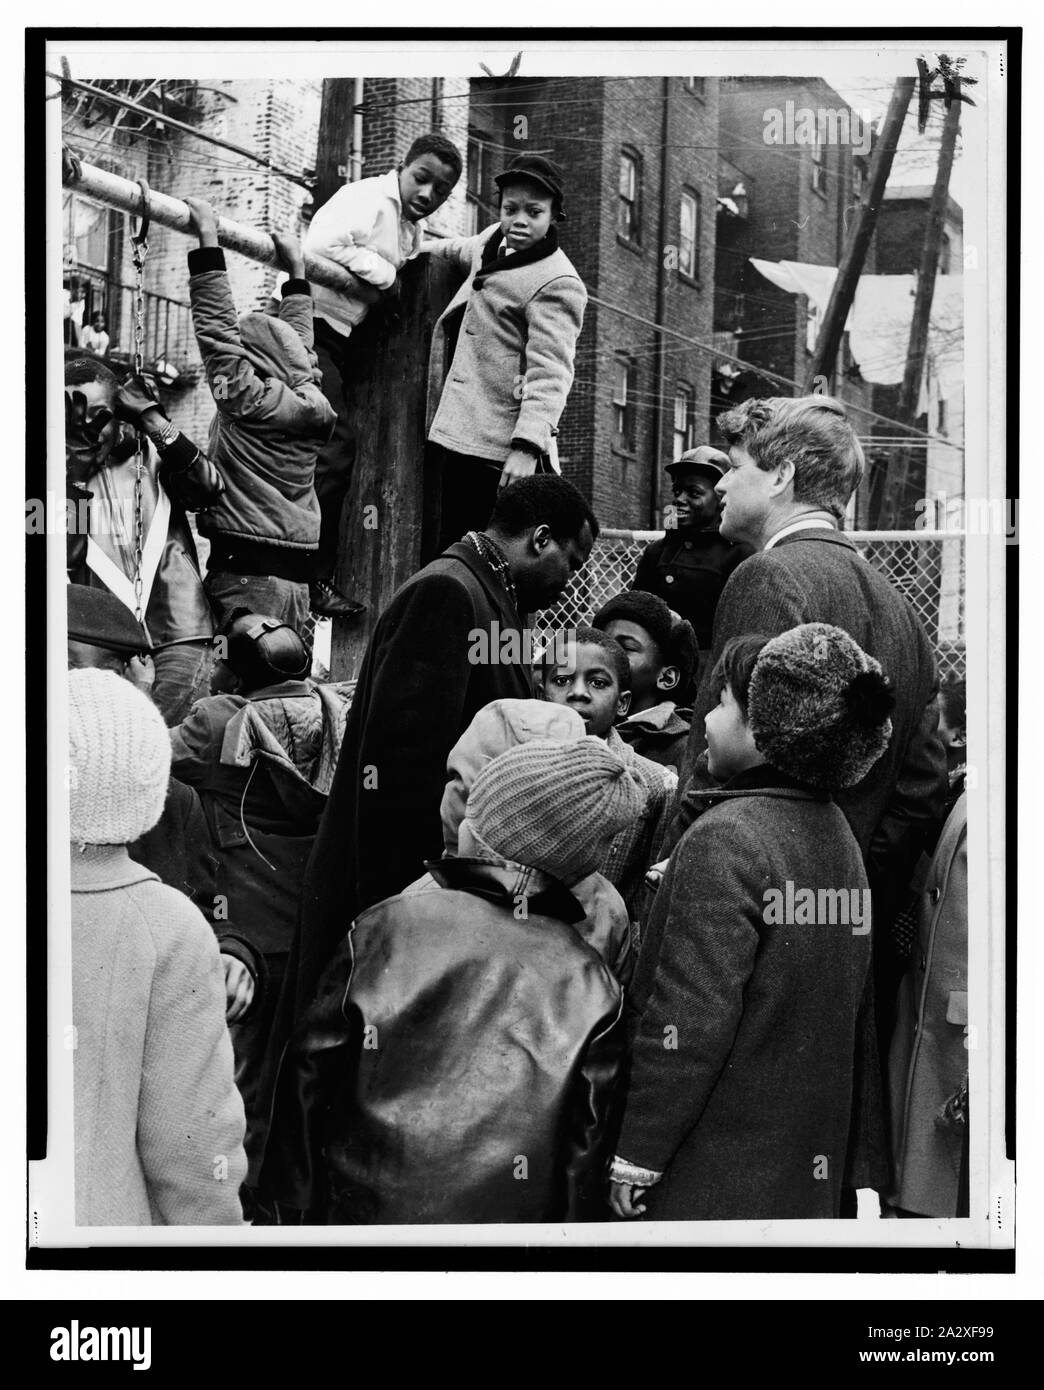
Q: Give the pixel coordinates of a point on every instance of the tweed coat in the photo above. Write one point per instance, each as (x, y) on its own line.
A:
(159, 1123)
(417, 692)
(516, 320)
(746, 1107)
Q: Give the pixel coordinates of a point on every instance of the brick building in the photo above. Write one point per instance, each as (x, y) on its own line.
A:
(793, 158)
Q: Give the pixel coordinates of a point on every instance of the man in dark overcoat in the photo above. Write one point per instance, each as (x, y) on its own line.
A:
(450, 641)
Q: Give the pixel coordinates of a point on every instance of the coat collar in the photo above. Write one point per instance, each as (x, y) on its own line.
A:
(762, 780)
(824, 534)
(98, 868)
(495, 591)
(503, 883)
(492, 260)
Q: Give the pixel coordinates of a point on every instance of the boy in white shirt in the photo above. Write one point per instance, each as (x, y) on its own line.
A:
(371, 227)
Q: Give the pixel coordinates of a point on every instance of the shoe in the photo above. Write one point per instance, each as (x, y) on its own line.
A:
(328, 602)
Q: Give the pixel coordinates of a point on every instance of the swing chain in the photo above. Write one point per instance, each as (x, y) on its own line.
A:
(140, 250)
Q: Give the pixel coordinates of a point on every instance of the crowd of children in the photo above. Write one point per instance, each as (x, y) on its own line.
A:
(434, 947)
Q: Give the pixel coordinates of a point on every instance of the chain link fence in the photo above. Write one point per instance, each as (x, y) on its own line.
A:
(926, 566)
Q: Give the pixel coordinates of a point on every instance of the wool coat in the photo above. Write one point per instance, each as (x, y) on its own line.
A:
(457, 1062)
(272, 417)
(929, 1057)
(688, 569)
(745, 1028)
(502, 351)
(416, 694)
(159, 1123)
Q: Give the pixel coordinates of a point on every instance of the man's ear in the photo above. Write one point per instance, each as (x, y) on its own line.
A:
(784, 476)
(669, 678)
(540, 538)
(623, 704)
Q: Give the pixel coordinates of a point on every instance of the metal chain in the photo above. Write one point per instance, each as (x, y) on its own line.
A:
(139, 253)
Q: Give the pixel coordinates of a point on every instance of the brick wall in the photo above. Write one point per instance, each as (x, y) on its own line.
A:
(398, 109)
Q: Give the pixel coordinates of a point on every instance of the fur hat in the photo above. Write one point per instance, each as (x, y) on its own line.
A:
(119, 759)
(818, 706)
(554, 806)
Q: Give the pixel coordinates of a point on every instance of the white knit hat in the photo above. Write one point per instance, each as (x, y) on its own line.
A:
(119, 759)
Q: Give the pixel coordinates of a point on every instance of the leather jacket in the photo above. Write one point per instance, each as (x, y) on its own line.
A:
(457, 1062)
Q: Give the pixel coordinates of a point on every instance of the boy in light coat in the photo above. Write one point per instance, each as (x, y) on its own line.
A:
(502, 351)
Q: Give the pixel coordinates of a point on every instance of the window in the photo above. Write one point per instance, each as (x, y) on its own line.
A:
(689, 234)
(629, 225)
(819, 167)
(696, 85)
(941, 421)
(438, 85)
(858, 179)
(684, 420)
(479, 194)
(945, 255)
(623, 404)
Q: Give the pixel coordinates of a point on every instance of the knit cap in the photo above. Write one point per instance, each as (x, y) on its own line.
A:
(554, 806)
(818, 706)
(119, 759)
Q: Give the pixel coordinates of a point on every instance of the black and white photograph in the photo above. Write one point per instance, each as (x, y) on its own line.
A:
(527, 643)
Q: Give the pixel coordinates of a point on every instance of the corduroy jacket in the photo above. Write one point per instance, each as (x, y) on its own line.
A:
(515, 321)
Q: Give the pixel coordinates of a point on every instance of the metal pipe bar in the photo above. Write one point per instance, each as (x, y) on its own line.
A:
(171, 212)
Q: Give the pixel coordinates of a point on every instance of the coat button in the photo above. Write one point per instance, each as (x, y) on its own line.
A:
(668, 578)
(688, 545)
(935, 894)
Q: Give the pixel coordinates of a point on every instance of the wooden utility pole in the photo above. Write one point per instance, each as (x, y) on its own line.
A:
(391, 509)
(333, 151)
(843, 292)
(895, 486)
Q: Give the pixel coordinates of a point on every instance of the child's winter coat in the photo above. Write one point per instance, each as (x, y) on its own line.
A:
(502, 351)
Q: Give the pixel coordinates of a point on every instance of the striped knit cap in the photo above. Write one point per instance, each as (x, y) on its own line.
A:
(119, 759)
(554, 806)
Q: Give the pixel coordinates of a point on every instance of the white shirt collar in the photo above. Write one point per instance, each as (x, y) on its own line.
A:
(391, 187)
(808, 523)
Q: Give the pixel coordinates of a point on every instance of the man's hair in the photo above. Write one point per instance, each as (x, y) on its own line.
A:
(542, 499)
(954, 704)
(440, 147)
(735, 667)
(673, 636)
(813, 433)
(81, 367)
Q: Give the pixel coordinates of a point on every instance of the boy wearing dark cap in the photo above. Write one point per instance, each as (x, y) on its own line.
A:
(662, 652)
(688, 568)
(502, 351)
(748, 1033)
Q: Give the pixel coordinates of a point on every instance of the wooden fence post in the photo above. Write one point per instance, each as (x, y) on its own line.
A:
(384, 515)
